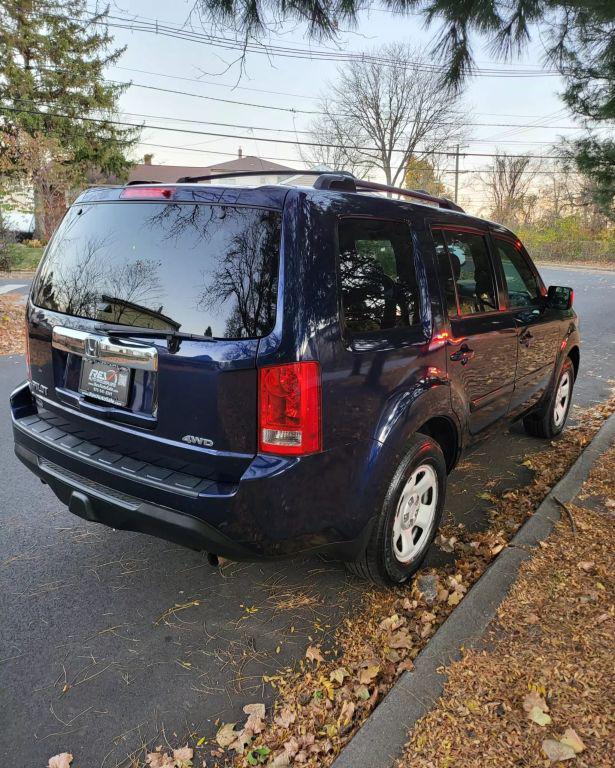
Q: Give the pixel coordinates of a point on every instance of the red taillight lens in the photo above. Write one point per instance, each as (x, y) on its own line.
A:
(147, 193)
(289, 409)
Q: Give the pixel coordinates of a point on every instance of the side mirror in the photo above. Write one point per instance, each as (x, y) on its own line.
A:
(559, 297)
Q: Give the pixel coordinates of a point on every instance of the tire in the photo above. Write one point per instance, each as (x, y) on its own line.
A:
(549, 421)
(398, 544)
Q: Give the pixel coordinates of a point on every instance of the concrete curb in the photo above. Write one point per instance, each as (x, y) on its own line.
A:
(381, 739)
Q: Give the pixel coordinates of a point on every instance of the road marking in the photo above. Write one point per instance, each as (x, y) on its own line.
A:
(12, 287)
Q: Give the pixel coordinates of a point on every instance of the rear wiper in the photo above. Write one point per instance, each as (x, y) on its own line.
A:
(173, 337)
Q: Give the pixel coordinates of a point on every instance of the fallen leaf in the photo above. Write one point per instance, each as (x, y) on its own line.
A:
(407, 665)
(313, 654)
(401, 640)
(291, 747)
(361, 692)
(280, 761)
(285, 717)
(256, 714)
(258, 755)
(159, 759)
(392, 622)
(486, 496)
(446, 545)
(244, 737)
(327, 687)
(226, 735)
(347, 712)
(537, 715)
(183, 757)
(534, 699)
(573, 740)
(556, 751)
(586, 565)
(63, 760)
(339, 674)
(454, 598)
(368, 674)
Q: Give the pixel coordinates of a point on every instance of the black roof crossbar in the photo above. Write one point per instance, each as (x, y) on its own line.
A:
(339, 180)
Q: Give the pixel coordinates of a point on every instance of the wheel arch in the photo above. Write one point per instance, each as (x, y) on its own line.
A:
(574, 354)
(443, 430)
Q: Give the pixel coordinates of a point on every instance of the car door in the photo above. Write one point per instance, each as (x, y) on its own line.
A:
(482, 351)
(382, 347)
(538, 335)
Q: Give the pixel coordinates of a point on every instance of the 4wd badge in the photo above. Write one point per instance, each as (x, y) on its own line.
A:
(195, 440)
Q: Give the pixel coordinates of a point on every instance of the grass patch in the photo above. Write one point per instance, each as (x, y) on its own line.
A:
(23, 257)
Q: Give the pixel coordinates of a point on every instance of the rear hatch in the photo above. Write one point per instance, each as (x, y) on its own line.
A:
(145, 320)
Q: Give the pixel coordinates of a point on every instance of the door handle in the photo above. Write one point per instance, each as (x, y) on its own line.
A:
(463, 354)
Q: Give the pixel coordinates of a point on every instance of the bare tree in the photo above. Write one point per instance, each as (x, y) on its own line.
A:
(377, 116)
(509, 184)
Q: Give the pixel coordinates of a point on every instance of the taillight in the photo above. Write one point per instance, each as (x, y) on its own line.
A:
(289, 409)
(147, 193)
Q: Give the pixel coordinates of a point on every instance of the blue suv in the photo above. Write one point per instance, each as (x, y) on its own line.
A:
(262, 371)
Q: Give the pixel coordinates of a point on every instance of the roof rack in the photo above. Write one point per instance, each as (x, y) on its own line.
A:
(339, 180)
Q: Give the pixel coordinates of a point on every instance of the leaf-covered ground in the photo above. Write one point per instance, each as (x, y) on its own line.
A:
(12, 326)
(544, 691)
(322, 702)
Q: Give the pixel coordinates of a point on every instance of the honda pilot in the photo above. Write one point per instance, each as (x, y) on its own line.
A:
(257, 372)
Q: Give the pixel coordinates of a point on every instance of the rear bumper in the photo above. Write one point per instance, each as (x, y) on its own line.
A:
(279, 507)
(100, 504)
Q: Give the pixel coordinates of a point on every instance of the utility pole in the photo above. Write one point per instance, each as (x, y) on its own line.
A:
(456, 172)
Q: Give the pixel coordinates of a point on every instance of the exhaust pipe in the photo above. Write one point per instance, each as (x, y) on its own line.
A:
(212, 559)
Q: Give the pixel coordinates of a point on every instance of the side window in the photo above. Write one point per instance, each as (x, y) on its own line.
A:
(523, 287)
(447, 280)
(472, 272)
(378, 280)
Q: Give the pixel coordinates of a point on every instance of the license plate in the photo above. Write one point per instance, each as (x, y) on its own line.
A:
(105, 381)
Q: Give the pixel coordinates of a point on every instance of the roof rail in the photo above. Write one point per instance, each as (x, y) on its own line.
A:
(342, 181)
(443, 202)
(230, 175)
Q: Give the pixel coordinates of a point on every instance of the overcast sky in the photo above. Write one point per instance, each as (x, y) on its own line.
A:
(200, 68)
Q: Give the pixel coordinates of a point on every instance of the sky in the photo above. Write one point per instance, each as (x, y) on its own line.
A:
(524, 92)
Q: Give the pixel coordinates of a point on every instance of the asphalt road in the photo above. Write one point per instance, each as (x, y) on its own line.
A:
(112, 640)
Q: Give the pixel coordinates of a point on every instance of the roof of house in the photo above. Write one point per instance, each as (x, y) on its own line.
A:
(170, 173)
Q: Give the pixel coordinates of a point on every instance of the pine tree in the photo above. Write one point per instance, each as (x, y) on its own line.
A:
(52, 58)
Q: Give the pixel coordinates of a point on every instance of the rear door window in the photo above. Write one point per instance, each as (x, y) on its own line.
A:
(210, 270)
(472, 272)
(447, 280)
(378, 279)
(521, 282)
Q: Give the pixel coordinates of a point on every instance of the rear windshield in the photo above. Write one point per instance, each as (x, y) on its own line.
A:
(210, 270)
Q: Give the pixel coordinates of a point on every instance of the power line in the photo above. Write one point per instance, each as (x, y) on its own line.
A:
(244, 46)
(361, 163)
(131, 84)
(259, 138)
(311, 97)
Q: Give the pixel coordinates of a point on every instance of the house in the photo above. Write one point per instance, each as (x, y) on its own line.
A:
(273, 172)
